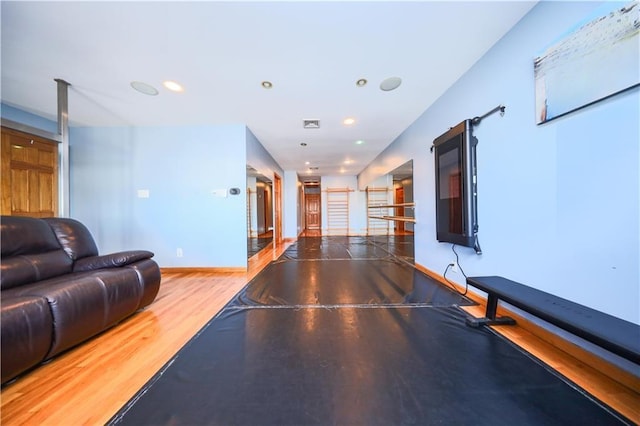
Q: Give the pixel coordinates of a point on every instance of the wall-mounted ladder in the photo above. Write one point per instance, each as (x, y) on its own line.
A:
(377, 198)
(338, 211)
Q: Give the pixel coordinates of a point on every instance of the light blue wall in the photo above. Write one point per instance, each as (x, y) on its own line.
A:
(558, 203)
(180, 167)
(23, 117)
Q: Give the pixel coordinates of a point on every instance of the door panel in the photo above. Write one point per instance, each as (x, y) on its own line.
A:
(29, 175)
(312, 211)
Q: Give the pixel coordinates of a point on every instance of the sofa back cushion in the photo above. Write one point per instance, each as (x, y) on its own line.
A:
(26, 235)
(29, 252)
(74, 237)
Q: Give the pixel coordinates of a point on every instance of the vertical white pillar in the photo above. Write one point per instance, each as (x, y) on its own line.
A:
(63, 148)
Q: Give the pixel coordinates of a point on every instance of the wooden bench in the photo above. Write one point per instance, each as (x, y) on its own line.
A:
(613, 334)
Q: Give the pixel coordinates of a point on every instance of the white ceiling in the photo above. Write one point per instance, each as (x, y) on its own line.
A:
(312, 52)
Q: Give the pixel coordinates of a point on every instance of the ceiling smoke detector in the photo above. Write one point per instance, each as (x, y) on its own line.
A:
(311, 124)
(145, 88)
(390, 83)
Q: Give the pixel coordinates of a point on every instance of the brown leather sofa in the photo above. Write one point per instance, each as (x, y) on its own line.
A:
(56, 291)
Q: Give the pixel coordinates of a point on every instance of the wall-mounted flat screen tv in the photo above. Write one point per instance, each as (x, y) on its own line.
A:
(456, 191)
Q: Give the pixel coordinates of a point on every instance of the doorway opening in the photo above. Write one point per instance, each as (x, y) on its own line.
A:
(277, 196)
(402, 178)
(312, 208)
(260, 200)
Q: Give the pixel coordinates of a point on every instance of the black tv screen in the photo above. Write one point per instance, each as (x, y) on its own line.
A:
(456, 191)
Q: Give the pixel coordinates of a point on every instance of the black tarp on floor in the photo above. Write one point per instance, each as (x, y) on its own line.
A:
(335, 248)
(353, 342)
(345, 282)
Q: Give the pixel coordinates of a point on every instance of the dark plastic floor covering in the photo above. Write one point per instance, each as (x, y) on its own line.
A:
(353, 342)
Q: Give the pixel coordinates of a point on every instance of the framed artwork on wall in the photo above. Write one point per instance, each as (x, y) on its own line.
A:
(597, 58)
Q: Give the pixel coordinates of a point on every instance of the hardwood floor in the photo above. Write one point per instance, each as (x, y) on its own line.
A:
(90, 383)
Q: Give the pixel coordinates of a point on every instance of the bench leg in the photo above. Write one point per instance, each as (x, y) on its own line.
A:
(492, 307)
(490, 315)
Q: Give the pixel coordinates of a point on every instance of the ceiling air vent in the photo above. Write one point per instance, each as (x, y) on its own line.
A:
(311, 124)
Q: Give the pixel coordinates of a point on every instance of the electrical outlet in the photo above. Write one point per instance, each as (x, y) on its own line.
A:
(179, 252)
(454, 266)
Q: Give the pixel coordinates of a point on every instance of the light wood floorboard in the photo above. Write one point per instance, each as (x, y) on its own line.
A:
(90, 383)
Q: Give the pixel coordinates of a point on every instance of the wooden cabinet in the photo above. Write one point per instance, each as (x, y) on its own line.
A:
(29, 175)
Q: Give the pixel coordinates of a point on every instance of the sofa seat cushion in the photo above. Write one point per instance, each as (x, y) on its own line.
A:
(26, 330)
(84, 304)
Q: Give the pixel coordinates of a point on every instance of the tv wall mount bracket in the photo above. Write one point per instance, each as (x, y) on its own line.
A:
(477, 119)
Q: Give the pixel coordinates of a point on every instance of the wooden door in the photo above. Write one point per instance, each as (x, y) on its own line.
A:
(312, 211)
(29, 175)
(399, 211)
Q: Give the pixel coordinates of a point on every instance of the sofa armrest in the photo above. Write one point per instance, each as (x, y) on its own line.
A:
(112, 260)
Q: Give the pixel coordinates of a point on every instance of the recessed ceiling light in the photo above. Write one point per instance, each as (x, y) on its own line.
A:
(390, 83)
(144, 88)
(349, 121)
(360, 142)
(348, 161)
(303, 144)
(361, 82)
(267, 84)
(306, 163)
(173, 86)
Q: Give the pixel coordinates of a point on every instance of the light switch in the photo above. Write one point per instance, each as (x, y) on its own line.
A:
(143, 193)
(219, 192)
